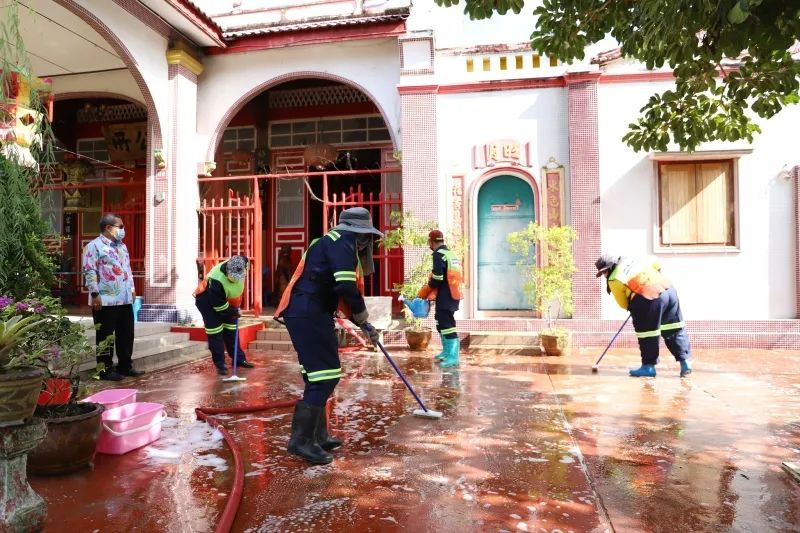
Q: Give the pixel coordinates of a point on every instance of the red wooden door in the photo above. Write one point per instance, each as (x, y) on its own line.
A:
(287, 218)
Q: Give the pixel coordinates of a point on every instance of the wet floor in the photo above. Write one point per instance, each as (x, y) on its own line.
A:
(525, 444)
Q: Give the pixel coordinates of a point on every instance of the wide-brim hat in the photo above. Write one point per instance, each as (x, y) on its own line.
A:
(605, 262)
(357, 220)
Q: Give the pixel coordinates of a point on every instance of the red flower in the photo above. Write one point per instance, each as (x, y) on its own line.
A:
(116, 270)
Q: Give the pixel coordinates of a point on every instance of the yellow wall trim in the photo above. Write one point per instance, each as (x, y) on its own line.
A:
(181, 57)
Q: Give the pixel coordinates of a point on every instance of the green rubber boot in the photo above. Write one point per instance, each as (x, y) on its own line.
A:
(451, 356)
(440, 356)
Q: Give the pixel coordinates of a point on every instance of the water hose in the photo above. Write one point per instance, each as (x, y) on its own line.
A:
(204, 413)
(235, 497)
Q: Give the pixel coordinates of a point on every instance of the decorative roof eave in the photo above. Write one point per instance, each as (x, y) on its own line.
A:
(314, 24)
(337, 34)
(199, 19)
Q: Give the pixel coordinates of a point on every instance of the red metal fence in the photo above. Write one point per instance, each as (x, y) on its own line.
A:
(388, 263)
(234, 225)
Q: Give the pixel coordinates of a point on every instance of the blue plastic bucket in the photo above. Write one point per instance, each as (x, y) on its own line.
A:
(419, 308)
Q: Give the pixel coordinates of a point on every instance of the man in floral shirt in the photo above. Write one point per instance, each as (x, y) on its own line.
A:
(108, 277)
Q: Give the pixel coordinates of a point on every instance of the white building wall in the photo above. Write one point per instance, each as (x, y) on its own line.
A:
(535, 116)
(372, 65)
(146, 46)
(119, 82)
(754, 282)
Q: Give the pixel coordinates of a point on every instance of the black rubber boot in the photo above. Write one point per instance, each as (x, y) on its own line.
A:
(303, 441)
(325, 441)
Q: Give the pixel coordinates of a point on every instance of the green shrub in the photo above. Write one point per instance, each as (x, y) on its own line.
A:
(550, 284)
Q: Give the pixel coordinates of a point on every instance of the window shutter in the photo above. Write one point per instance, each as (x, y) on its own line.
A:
(713, 190)
(678, 204)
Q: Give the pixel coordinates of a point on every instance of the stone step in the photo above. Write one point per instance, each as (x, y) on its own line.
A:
(269, 322)
(272, 345)
(162, 356)
(273, 335)
(502, 338)
(151, 328)
(141, 329)
(149, 342)
(504, 349)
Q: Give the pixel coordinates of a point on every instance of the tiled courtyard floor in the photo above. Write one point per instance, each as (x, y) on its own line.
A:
(525, 444)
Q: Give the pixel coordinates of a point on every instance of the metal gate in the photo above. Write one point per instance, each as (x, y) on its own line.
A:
(233, 224)
(388, 263)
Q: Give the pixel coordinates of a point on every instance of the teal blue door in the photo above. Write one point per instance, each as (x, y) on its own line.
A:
(505, 204)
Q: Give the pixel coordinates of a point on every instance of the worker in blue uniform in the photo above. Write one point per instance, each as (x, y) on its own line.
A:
(330, 276)
(218, 298)
(639, 287)
(444, 285)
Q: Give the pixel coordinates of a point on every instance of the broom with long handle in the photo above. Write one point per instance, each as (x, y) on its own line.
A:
(596, 366)
(424, 412)
(234, 377)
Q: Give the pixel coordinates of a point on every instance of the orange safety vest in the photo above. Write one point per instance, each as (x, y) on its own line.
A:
(640, 278)
(455, 278)
(298, 272)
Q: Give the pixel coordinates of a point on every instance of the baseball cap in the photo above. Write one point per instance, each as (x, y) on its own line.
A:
(436, 235)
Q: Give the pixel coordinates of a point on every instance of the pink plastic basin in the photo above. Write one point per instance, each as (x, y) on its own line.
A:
(112, 398)
(130, 426)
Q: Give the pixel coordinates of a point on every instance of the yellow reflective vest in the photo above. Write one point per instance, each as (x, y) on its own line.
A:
(631, 277)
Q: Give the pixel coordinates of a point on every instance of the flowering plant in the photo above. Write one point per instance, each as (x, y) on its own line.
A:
(37, 332)
(18, 323)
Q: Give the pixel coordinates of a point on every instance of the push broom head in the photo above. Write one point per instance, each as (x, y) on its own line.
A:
(427, 413)
(234, 378)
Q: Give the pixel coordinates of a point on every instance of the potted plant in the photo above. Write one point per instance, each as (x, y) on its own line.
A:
(20, 379)
(408, 233)
(547, 285)
(61, 347)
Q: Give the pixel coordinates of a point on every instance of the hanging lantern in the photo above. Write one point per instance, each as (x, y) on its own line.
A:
(320, 156)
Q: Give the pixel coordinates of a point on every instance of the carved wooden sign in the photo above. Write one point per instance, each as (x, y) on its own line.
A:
(506, 151)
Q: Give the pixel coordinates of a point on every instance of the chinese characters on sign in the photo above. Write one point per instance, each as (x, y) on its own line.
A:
(126, 142)
(553, 180)
(502, 151)
(508, 151)
(503, 208)
(458, 215)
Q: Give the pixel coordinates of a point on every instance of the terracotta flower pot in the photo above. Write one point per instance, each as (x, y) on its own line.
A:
(19, 390)
(557, 345)
(70, 442)
(418, 340)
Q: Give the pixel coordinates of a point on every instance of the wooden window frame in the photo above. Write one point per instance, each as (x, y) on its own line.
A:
(94, 151)
(238, 139)
(732, 204)
(368, 131)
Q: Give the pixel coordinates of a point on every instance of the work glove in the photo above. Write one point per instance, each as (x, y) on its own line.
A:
(360, 318)
(370, 331)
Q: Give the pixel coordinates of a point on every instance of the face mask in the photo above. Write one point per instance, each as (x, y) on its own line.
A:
(363, 241)
(120, 234)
